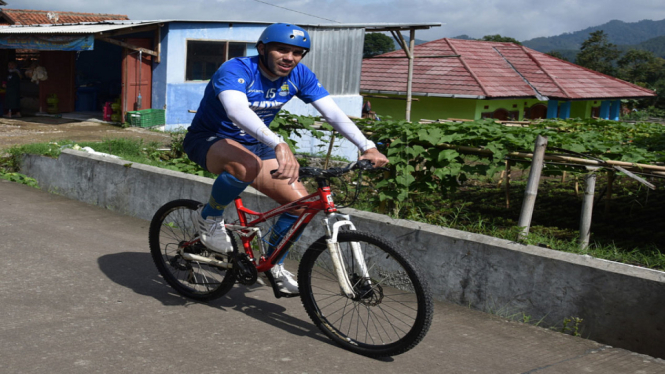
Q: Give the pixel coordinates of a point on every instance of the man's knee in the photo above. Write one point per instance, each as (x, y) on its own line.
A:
(245, 170)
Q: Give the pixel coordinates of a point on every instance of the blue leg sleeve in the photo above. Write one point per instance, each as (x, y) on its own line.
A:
(280, 229)
(224, 190)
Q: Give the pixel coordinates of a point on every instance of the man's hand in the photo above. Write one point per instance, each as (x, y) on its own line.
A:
(376, 157)
(288, 165)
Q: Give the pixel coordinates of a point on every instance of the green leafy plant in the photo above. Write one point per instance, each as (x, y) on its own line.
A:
(19, 178)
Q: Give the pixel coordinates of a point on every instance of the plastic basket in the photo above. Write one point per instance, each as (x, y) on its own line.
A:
(146, 117)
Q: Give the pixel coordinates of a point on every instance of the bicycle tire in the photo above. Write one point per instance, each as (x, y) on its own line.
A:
(171, 226)
(391, 317)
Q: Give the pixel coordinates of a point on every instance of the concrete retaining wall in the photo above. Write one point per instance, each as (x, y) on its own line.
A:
(621, 305)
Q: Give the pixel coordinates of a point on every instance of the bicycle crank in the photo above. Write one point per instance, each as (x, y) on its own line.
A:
(244, 270)
(206, 260)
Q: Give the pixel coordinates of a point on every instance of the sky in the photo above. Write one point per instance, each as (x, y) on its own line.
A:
(519, 19)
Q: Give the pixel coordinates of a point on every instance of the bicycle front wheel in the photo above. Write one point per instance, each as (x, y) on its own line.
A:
(172, 231)
(392, 310)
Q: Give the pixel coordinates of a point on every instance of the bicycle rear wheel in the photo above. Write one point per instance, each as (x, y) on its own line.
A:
(393, 309)
(173, 228)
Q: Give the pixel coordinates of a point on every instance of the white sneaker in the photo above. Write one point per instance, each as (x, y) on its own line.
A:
(284, 279)
(213, 233)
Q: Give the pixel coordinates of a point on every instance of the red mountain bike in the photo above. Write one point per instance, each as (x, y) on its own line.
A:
(362, 292)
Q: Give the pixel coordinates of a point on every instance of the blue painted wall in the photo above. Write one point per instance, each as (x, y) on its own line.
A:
(159, 72)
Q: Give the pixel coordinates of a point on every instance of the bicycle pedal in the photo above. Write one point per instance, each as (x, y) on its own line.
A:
(287, 295)
(278, 294)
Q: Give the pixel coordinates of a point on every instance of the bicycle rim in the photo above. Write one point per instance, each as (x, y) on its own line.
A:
(170, 229)
(392, 312)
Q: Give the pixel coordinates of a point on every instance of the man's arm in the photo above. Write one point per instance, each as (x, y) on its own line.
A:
(237, 109)
(341, 122)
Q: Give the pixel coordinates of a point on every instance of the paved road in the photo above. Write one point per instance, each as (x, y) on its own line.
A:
(79, 294)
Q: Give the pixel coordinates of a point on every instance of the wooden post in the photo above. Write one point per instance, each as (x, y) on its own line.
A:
(409, 82)
(563, 177)
(587, 208)
(532, 186)
(506, 179)
(611, 176)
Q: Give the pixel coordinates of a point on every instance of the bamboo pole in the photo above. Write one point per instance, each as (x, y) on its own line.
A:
(577, 186)
(507, 183)
(330, 148)
(532, 186)
(587, 209)
(577, 160)
(611, 176)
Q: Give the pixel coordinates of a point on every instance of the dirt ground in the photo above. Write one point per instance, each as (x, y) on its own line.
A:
(37, 129)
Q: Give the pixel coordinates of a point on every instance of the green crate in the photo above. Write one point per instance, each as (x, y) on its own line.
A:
(146, 117)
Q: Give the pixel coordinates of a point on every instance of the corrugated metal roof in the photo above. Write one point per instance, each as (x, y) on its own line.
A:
(73, 28)
(94, 27)
(493, 70)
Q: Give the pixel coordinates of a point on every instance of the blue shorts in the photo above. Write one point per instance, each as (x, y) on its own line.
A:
(197, 144)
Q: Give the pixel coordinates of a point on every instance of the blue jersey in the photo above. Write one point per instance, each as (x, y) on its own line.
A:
(265, 97)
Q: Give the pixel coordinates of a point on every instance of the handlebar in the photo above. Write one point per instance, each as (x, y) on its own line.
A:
(312, 172)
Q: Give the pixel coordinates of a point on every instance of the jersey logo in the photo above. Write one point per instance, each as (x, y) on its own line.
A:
(241, 81)
(284, 90)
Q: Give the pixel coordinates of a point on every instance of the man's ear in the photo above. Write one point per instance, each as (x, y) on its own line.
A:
(261, 48)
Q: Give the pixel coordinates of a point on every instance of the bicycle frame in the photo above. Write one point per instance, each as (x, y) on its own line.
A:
(321, 200)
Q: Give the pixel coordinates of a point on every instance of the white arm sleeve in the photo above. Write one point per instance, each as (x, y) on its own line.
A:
(341, 122)
(237, 108)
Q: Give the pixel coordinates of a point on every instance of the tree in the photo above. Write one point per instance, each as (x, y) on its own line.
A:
(557, 54)
(377, 44)
(598, 54)
(499, 38)
(640, 67)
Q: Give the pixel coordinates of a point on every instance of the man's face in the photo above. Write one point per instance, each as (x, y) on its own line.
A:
(279, 59)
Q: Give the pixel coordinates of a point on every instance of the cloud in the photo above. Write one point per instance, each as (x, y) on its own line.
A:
(520, 19)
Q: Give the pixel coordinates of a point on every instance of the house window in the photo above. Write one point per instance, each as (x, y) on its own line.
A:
(205, 57)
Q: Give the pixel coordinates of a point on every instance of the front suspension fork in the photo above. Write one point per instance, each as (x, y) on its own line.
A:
(337, 257)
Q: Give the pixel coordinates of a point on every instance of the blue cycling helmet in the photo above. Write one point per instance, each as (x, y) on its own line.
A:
(285, 33)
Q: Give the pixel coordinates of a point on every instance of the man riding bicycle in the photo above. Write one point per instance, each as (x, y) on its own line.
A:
(230, 134)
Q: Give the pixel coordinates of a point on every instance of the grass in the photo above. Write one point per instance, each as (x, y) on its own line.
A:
(629, 230)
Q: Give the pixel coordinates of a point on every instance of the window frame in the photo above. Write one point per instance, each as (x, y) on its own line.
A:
(226, 45)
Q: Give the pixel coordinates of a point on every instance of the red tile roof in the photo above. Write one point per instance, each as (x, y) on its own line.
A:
(490, 70)
(40, 17)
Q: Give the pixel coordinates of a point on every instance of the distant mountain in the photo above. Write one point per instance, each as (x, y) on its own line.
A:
(463, 37)
(618, 32)
(655, 45)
